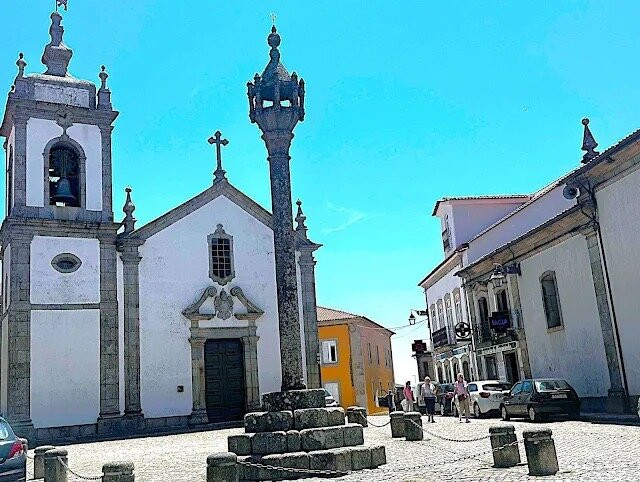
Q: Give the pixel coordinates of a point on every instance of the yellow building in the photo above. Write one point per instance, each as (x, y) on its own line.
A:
(356, 362)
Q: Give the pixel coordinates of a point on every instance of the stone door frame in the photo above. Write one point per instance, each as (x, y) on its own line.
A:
(199, 336)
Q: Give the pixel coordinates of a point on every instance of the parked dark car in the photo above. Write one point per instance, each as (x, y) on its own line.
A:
(444, 398)
(13, 460)
(540, 398)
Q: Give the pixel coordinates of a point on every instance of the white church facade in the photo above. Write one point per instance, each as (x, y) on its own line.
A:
(108, 326)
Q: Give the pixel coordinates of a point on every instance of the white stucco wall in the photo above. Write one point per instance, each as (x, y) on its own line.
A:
(620, 222)
(50, 286)
(540, 210)
(65, 367)
(576, 352)
(469, 219)
(39, 133)
(173, 273)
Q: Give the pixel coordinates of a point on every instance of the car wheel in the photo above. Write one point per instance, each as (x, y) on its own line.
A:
(476, 411)
(533, 416)
(504, 413)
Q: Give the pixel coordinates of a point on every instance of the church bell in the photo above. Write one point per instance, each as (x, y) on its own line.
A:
(63, 192)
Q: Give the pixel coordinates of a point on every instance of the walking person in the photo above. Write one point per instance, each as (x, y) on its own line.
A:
(429, 396)
(462, 396)
(407, 403)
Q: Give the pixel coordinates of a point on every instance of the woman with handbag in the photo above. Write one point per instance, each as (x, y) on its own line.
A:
(462, 395)
(407, 403)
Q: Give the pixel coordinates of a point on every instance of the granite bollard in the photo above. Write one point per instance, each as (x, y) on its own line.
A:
(541, 452)
(55, 461)
(413, 426)
(222, 467)
(357, 415)
(118, 472)
(38, 460)
(506, 455)
(397, 424)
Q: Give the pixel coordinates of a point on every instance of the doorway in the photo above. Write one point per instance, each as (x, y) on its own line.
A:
(224, 380)
(511, 367)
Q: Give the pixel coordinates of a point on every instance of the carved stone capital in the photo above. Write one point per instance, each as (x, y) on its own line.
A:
(278, 143)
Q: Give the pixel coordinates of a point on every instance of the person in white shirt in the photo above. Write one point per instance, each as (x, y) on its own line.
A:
(429, 396)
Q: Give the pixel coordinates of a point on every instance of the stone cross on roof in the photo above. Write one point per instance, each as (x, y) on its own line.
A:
(217, 139)
(589, 144)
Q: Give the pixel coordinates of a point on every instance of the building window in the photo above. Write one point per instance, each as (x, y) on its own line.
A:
(501, 301)
(458, 305)
(446, 235)
(492, 369)
(434, 320)
(441, 322)
(551, 299)
(64, 176)
(378, 354)
(465, 370)
(221, 268)
(329, 352)
(370, 358)
(334, 389)
(66, 263)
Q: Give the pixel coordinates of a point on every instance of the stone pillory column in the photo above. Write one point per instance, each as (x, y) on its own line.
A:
(276, 104)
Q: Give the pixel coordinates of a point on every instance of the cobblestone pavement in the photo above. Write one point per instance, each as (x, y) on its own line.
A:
(586, 451)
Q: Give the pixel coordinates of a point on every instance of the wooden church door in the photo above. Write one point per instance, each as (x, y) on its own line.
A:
(224, 380)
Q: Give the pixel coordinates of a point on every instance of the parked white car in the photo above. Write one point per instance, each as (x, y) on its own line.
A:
(486, 396)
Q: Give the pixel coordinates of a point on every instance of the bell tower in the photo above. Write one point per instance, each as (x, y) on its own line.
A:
(58, 235)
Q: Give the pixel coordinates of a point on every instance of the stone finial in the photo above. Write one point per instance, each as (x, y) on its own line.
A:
(588, 143)
(300, 219)
(129, 221)
(56, 54)
(285, 92)
(104, 94)
(21, 63)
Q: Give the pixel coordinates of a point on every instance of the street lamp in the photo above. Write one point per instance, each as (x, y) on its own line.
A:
(499, 271)
(412, 317)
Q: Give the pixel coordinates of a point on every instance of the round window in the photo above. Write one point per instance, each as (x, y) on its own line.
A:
(66, 263)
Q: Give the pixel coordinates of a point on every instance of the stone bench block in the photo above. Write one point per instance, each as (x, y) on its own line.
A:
(378, 456)
(246, 472)
(294, 443)
(357, 415)
(322, 438)
(336, 416)
(293, 400)
(360, 458)
(338, 460)
(221, 467)
(353, 435)
(265, 443)
(240, 444)
(310, 418)
(397, 424)
(297, 460)
(256, 422)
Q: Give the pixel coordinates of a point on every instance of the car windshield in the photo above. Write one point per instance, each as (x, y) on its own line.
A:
(550, 385)
(327, 394)
(447, 387)
(496, 387)
(5, 431)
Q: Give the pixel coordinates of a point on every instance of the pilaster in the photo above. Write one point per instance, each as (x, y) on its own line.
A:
(20, 161)
(107, 202)
(616, 401)
(250, 346)
(130, 264)
(109, 359)
(199, 410)
(310, 316)
(19, 336)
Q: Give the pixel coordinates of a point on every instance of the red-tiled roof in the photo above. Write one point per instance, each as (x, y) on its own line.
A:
(329, 314)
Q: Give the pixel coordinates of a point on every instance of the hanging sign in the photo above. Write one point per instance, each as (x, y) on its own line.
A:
(500, 321)
(463, 331)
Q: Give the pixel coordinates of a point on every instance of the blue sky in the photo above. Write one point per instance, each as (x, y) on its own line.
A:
(406, 102)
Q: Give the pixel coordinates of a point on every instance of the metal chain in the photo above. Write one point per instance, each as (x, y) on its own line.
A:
(378, 426)
(293, 470)
(97, 477)
(450, 439)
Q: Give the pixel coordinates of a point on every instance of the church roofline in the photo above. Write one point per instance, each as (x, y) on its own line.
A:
(222, 187)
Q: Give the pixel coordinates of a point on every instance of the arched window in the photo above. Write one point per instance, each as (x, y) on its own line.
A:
(465, 370)
(551, 299)
(447, 304)
(458, 305)
(64, 176)
(434, 320)
(440, 314)
(483, 315)
(501, 301)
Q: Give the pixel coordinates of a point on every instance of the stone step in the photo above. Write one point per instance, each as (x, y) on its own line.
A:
(300, 419)
(341, 460)
(293, 400)
(280, 442)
